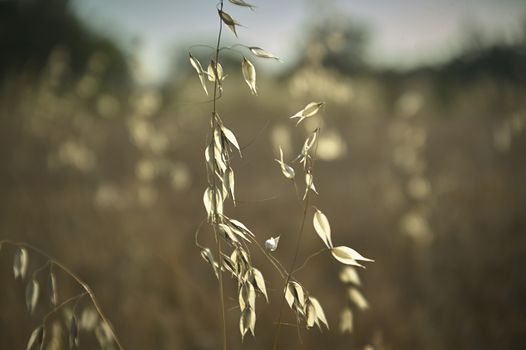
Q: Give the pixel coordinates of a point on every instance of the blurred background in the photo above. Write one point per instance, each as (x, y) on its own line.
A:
(422, 165)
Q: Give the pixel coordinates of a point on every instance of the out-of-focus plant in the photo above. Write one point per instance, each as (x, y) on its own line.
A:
(70, 311)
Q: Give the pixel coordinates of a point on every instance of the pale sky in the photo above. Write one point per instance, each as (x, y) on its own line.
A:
(403, 32)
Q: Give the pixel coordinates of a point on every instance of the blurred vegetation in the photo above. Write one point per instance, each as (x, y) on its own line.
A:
(30, 30)
(422, 170)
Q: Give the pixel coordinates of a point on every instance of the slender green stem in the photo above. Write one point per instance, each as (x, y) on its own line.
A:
(44, 320)
(308, 259)
(275, 262)
(216, 217)
(40, 269)
(297, 249)
(202, 46)
(77, 279)
(64, 303)
(293, 263)
(197, 231)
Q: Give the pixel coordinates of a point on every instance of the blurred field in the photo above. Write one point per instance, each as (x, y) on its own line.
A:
(422, 171)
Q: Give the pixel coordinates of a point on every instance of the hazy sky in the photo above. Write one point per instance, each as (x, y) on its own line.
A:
(404, 32)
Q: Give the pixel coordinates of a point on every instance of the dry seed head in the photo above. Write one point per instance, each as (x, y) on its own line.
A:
(228, 235)
(36, 338)
(310, 110)
(322, 227)
(32, 293)
(215, 72)
(229, 181)
(229, 265)
(229, 21)
(231, 138)
(348, 274)
(348, 256)
(346, 321)
(249, 73)
(207, 256)
(237, 225)
(74, 332)
(20, 263)
(320, 315)
(247, 322)
(295, 296)
(358, 299)
(286, 169)
(52, 286)
(310, 313)
(259, 282)
(259, 52)
(242, 3)
(247, 296)
(199, 69)
(309, 184)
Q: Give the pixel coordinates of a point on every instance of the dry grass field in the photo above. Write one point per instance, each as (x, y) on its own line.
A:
(422, 173)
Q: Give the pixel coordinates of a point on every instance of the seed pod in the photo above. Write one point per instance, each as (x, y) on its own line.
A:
(249, 73)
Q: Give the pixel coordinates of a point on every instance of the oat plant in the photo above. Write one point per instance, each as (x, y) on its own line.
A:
(70, 315)
(235, 242)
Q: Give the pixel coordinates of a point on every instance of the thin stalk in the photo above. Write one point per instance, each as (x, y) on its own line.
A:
(275, 262)
(77, 279)
(216, 217)
(292, 265)
(298, 245)
(64, 303)
(44, 320)
(322, 250)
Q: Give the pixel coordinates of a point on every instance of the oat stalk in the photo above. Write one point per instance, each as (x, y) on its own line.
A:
(217, 219)
(87, 289)
(297, 248)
